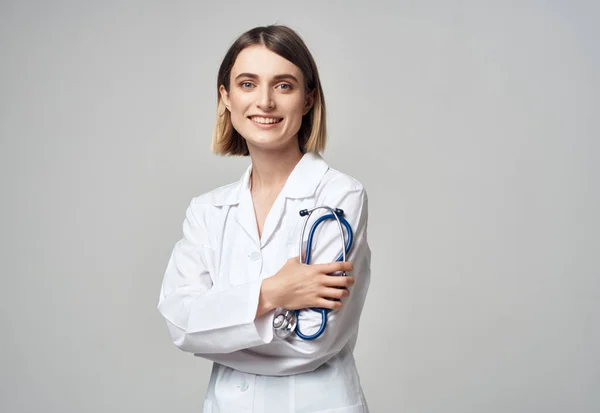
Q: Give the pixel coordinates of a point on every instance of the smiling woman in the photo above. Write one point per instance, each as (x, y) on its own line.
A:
(236, 265)
(273, 69)
(267, 99)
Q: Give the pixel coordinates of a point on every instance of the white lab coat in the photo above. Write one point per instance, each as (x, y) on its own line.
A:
(211, 287)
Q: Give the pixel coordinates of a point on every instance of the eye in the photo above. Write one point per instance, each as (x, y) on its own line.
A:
(246, 85)
(285, 86)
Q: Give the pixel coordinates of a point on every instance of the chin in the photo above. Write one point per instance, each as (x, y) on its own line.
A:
(270, 144)
(265, 145)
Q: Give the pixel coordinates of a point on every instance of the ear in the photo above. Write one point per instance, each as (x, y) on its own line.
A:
(309, 101)
(225, 97)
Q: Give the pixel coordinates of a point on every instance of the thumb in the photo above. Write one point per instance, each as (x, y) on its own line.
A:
(295, 259)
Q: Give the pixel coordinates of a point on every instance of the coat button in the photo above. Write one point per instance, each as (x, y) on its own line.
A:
(244, 386)
(254, 256)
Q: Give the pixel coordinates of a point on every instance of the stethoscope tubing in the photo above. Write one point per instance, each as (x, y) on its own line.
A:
(336, 214)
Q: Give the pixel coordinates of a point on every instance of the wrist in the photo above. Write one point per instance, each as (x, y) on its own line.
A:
(268, 298)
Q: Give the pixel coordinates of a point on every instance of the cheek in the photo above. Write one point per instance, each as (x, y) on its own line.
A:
(295, 107)
(238, 108)
(239, 103)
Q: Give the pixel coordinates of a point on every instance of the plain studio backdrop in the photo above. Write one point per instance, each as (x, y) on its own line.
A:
(473, 126)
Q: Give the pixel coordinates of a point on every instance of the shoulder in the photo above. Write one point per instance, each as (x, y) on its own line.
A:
(204, 206)
(343, 191)
(340, 190)
(219, 196)
(335, 181)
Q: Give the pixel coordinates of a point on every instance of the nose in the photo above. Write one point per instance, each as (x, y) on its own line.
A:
(265, 99)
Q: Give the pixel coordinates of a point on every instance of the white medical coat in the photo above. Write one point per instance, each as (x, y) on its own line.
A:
(210, 293)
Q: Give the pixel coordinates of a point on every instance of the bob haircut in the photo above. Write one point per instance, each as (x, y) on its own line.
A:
(286, 43)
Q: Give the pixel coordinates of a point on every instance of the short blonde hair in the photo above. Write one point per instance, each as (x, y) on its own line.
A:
(282, 40)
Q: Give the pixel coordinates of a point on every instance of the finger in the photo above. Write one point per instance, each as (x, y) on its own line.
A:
(296, 258)
(335, 293)
(343, 282)
(333, 267)
(331, 305)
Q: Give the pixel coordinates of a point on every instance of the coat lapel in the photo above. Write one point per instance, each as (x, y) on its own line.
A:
(274, 218)
(246, 216)
(302, 182)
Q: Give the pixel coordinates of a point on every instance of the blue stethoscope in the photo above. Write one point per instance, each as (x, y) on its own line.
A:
(285, 322)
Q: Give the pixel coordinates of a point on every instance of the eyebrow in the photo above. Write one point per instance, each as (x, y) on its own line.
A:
(276, 77)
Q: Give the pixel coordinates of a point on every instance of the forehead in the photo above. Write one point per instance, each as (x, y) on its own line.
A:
(263, 62)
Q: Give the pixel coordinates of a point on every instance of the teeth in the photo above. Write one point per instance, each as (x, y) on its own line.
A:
(259, 119)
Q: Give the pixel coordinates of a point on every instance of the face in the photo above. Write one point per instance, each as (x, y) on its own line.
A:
(266, 99)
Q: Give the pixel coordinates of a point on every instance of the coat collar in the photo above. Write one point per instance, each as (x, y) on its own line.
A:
(301, 183)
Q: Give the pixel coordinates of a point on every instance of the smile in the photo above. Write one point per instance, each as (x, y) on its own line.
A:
(265, 121)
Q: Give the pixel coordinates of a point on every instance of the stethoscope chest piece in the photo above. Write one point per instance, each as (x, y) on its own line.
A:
(284, 323)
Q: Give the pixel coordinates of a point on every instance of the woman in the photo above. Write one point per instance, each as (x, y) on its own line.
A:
(238, 259)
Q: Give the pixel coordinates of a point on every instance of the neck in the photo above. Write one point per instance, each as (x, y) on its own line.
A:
(270, 170)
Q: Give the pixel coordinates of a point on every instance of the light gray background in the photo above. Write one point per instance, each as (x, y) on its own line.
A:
(471, 124)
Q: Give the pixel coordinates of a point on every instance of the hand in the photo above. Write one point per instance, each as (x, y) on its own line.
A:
(298, 285)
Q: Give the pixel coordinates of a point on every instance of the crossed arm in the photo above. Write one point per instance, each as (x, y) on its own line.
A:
(192, 305)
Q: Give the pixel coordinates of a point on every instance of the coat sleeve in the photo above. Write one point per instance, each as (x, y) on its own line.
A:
(202, 318)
